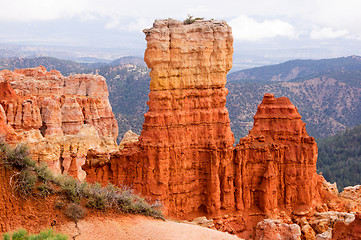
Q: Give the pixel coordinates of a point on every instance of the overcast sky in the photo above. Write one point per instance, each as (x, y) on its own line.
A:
(332, 25)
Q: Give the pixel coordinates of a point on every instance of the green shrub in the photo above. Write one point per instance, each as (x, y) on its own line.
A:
(45, 189)
(75, 212)
(32, 177)
(25, 182)
(125, 201)
(44, 173)
(22, 234)
(6, 236)
(98, 203)
(96, 195)
(48, 235)
(69, 186)
(191, 20)
(17, 157)
(4, 149)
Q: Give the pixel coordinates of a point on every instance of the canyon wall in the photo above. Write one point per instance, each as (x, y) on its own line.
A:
(60, 117)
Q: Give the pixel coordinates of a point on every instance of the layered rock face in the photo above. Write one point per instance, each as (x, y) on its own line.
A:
(186, 137)
(185, 150)
(54, 113)
(6, 92)
(129, 137)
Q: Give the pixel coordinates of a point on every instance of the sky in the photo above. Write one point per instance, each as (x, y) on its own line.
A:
(263, 29)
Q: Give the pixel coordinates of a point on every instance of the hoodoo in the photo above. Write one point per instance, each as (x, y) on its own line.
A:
(276, 161)
(185, 150)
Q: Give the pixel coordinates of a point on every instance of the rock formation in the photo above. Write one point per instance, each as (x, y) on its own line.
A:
(276, 230)
(276, 161)
(352, 192)
(186, 131)
(129, 137)
(185, 155)
(344, 230)
(185, 150)
(59, 117)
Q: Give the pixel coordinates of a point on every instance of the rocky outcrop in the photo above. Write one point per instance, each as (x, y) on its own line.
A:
(128, 138)
(5, 130)
(60, 117)
(6, 92)
(186, 137)
(276, 161)
(342, 230)
(352, 192)
(275, 230)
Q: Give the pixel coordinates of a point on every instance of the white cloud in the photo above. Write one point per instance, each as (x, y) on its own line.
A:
(197, 11)
(327, 33)
(248, 29)
(40, 10)
(134, 15)
(337, 14)
(135, 25)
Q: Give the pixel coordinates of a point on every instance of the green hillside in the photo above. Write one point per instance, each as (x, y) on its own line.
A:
(326, 92)
(339, 158)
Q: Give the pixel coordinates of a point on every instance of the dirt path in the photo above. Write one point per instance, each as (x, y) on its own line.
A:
(139, 228)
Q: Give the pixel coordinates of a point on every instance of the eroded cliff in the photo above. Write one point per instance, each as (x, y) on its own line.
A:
(60, 117)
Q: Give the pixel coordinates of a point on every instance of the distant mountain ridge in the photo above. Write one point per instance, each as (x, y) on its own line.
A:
(298, 70)
(67, 67)
(129, 60)
(326, 92)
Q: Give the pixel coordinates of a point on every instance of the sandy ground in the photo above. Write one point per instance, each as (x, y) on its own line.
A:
(139, 228)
